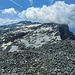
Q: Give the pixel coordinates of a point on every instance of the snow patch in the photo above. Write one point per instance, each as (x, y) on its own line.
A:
(4, 45)
(58, 38)
(33, 25)
(46, 28)
(14, 48)
(25, 42)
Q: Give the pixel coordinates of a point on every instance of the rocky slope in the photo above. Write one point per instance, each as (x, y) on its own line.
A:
(28, 48)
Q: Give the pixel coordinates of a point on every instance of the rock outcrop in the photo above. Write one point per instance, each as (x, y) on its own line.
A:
(65, 32)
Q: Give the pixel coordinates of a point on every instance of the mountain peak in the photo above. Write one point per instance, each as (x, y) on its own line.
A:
(34, 34)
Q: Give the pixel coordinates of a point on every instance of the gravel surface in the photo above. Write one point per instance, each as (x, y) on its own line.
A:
(50, 59)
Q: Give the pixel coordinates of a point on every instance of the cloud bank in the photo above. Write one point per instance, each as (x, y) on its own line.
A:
(59, 12)
(10, 11)
(6, 21)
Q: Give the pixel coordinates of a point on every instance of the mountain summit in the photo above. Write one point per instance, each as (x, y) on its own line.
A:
(33, 34)
(32, 48)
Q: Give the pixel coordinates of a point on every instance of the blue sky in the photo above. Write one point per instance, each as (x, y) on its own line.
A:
(21, 5)
(26, 3)
(60, 11)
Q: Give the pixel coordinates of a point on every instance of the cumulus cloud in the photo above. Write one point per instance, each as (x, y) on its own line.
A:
(6, 21)
(59, 12)
(10, 11)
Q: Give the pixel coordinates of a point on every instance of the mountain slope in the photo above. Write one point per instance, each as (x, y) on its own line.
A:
(34, 35)
(37, 49)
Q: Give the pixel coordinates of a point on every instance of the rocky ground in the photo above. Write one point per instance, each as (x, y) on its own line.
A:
(54, 57)
(50, 59)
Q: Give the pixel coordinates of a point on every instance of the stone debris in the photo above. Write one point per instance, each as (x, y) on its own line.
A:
(40, 49)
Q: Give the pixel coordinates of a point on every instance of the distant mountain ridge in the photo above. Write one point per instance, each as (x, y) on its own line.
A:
(27, 22)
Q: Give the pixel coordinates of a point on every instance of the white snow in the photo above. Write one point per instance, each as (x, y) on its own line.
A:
(58, 38)
(54, 33)
(46, 37)
(36, 41)
(33, 25)
(25, 42)
(2, 37)
(4, 45)
(17, 27)
(46, 28)
(13, 48)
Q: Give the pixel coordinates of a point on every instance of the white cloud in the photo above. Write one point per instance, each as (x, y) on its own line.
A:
(31, 2)
(10, 11)
(59, 12)
(6, 21)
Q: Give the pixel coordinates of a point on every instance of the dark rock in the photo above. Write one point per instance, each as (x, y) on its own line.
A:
(65, 32)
